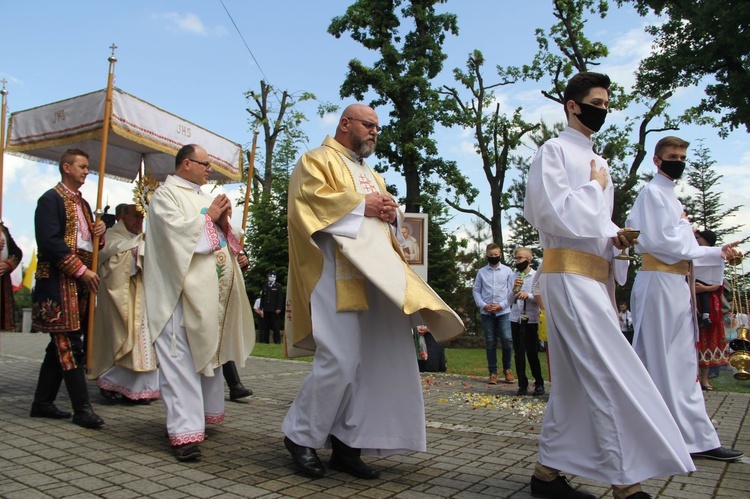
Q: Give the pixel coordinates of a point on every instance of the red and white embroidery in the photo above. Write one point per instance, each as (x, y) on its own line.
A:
(211, 235)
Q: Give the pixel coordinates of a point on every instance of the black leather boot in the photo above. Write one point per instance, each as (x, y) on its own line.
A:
(83, 414)
(50, 378)
(347, 459)
(232, 377)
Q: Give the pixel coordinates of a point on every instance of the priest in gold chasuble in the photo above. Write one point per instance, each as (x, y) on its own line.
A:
(352, 301)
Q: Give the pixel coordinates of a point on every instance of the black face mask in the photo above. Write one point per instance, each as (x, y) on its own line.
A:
(493, 260)
(592, 117)
(522, 266)
(672, 168)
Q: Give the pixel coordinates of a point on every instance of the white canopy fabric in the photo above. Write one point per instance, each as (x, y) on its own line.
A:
(139, 132)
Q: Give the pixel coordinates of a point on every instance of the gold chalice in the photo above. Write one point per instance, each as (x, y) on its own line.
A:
(630, 235)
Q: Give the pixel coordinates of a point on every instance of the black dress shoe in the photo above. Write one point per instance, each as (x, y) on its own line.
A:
(538, 390)
(129, 401)
(719, 454)
(354, 466)
(47, 411)
(109, 395)
(559, 488)
(306, 459)
(188, 452)
(87, 418)
(639, 495)
(522, 391)
(348, 460)
(239, 392)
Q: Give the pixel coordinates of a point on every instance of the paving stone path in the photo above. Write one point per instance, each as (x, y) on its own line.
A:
(482, 442)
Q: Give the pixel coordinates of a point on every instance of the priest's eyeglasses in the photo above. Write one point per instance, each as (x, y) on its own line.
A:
(367, 124)
(204, 164)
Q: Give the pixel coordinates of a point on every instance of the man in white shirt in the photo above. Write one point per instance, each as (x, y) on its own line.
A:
(524, 323)
(626, 321)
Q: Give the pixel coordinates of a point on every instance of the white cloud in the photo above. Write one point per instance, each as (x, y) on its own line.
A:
(330, 119)
(189, 23)
(633, 45)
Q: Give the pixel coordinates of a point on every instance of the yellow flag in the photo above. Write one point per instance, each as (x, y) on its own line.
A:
(28, 279)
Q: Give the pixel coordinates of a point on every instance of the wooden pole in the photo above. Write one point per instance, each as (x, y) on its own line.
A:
(2, 142)
(250, 173)
(102, 165)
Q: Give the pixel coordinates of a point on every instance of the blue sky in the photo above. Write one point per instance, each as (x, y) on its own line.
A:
(187, 58)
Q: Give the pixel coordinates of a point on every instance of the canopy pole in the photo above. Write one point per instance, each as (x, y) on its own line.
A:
(250, 173)
(102, 165)
(2, 142)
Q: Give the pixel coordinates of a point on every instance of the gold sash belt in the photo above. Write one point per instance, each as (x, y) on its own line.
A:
(570, 261)
(655, 265)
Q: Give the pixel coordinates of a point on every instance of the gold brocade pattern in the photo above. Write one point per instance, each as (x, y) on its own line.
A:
(653, 264)
(71, 216)
(351, 293)
(570, 261)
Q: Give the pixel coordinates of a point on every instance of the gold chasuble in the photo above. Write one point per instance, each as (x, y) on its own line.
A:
(217, 315)
(120, 334)
(327, 183)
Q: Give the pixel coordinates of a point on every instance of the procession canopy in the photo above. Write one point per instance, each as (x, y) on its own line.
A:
(139, 131)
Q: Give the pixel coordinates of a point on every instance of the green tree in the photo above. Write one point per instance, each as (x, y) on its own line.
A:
(496, 134)
(275, 114)
(402, 78)
(706, 208)
(471, 258)
(701, 42)
(267, 239)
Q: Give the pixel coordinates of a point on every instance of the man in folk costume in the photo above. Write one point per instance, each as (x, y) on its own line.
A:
(64, 229)
(124, 361)
(10, 257)
(353, 300)
(666, 332)
(198, 313)
(605, 419)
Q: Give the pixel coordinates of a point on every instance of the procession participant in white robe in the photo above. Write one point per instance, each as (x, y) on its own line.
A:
(198, 312)
(123, 361)
(605, 419)
(352, 299)
(664, 314)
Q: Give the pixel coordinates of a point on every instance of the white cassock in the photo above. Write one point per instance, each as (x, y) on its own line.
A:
(663, 315)
(364, 387)
(605, 419)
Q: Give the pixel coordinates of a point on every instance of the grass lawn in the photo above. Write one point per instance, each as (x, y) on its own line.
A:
(473, 362)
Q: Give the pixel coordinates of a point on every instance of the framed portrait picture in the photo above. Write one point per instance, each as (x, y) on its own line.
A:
(413, 232)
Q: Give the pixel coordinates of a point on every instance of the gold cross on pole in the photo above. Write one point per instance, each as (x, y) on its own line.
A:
(113, 47)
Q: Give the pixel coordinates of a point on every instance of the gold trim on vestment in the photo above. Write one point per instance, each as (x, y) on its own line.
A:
(351, 293)
(653, 264)
(570, 261)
